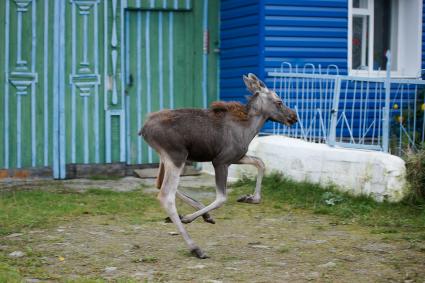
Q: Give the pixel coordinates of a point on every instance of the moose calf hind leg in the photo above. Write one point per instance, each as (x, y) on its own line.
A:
(167, 198)
(181, 195)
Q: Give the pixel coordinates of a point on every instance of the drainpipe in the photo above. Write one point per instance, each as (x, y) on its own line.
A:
(386, 118)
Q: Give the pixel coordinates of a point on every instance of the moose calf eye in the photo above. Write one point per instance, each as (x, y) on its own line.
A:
(279, 103)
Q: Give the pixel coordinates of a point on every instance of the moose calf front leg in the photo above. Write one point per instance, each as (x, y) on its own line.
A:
(257, 162)
(196, 204)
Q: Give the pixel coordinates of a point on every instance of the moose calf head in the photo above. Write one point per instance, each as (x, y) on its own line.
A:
(267, 102)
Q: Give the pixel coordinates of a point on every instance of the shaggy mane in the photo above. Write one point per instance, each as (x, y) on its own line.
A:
(236, 109)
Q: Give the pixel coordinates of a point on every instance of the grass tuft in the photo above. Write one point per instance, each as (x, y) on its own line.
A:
(9, 274)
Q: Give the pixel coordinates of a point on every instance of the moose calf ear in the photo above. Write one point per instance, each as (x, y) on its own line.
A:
(252, 77)
(257, 83)
(263, 85)
(248, 83)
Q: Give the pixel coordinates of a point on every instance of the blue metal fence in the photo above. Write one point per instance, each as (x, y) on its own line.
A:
(375, 113)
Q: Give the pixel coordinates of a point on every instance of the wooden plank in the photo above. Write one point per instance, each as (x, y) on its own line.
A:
(90, 170)
(196, 36)
(179, 60)
(115, 131)
(2, 83)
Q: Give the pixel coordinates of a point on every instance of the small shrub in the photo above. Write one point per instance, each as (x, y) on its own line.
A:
(283, 249)
(330, 198)
(150, 259)
(415, 169)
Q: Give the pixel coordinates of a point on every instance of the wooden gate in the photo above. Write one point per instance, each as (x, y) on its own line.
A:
(163, 66)
(78, 77)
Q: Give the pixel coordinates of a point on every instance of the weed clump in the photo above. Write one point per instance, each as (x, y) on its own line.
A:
(415, 174)
(280, 192)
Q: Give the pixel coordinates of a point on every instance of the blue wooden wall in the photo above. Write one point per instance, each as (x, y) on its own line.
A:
(239, 45)
(258, 35)
(305, 31)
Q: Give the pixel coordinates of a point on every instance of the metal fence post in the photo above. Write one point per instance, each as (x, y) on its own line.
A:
(334, 112)
(386, 116)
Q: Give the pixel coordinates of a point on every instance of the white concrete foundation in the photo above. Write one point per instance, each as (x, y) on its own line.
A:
(359, 172)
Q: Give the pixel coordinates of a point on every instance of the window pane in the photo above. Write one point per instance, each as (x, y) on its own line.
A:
(382, 33)
(360, 4)
(360, 42)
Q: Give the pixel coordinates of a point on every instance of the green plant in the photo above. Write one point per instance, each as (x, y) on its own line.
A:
(415, 173)
(407, 124)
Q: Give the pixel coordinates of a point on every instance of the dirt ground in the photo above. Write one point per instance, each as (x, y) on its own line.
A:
(248, 244)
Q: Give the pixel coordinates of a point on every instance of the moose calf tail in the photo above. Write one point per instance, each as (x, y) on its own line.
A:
(160, 176)
(140, 132)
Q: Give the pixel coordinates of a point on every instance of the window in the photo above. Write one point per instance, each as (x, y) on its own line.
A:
(376, 26)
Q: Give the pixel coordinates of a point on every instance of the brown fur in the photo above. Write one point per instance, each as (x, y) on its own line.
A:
(236, 109)
(165, 115)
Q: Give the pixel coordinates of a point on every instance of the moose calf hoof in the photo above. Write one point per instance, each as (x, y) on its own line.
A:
(185, 220)
(249, 199)
(207, 218)
(168, 219)
(198, 253)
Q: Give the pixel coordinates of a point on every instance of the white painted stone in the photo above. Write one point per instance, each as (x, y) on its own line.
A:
(16, 254)
(260, 247)
(328, 265)
(359, 172)
(14, 235)
(197, 266)
(110, 269)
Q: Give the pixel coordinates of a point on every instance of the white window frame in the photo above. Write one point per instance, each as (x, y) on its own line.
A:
(409, 39)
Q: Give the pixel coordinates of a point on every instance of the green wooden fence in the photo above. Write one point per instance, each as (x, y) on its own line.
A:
(79, 77)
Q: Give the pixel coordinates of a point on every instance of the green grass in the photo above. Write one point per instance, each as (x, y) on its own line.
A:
(104, 177)
(21, 211)
(24, 210)
(32, 209)
(389, 217)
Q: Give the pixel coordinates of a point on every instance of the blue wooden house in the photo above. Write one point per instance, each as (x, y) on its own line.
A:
(78, 77)
(258, 35)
